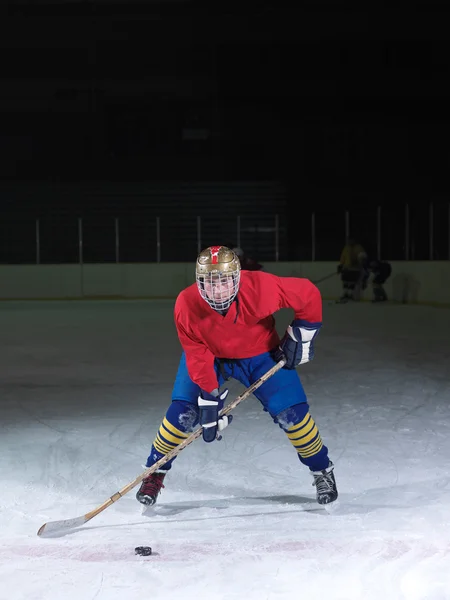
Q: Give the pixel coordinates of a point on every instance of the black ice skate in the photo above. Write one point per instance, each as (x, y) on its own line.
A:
(150, 488)
(326, 490)
(379, 295)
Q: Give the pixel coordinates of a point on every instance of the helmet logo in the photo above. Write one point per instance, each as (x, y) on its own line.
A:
(215, 254)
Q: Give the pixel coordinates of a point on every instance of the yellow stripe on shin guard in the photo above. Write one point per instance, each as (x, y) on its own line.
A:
(168, 437)
(305, 437)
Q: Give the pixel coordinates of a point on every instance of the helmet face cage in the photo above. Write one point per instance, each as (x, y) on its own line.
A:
(218, 273)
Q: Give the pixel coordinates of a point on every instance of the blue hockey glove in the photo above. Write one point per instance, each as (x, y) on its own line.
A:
(210, 405)
(297, 343)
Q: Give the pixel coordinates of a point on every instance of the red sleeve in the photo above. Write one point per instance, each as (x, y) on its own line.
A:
(302, 296)
(199, 359)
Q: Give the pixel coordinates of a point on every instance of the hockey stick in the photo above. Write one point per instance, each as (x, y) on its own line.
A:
(59, 526)
(324, 278)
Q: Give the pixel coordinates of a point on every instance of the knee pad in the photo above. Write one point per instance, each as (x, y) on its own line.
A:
(182, 415)
(292, 415)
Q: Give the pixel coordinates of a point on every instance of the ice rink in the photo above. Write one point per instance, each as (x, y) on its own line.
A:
(84, 386)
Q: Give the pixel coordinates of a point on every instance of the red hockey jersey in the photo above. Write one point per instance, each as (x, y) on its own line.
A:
(248, 328)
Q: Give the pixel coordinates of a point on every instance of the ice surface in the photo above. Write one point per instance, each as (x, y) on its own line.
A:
(83, 388)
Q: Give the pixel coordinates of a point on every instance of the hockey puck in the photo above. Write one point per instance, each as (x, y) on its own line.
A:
(143, 550)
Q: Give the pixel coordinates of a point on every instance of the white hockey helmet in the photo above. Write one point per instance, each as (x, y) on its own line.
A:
(218, 272)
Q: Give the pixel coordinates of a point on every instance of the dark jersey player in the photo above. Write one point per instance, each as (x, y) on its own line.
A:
(381, 270)
(227, 330)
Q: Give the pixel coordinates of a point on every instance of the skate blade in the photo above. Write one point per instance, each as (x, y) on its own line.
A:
(148, 510)
(332, 507)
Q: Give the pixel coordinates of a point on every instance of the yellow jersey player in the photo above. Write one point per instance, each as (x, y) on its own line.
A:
(351, 267)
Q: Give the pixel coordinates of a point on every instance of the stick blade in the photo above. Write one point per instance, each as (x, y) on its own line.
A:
(55, 527)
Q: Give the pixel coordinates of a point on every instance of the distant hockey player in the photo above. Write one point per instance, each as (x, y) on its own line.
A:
(381, 270)
(352, 269)
(227, 330)
(247, 263)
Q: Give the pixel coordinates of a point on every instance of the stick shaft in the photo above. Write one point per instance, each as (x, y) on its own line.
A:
(324, 278)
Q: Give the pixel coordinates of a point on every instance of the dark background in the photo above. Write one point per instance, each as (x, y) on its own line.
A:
(179, 109)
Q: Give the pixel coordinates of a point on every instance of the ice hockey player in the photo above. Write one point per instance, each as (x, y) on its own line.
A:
(351, 267)
(227, 330)
(381, 270)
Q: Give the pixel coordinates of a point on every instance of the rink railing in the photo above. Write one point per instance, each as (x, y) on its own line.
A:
(378, 237)
(410, 282)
